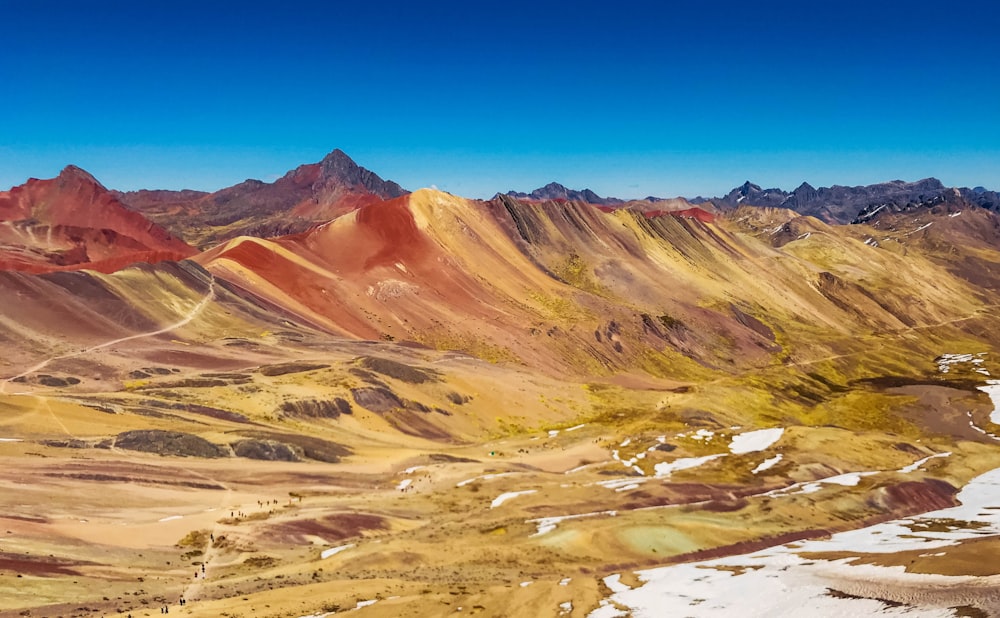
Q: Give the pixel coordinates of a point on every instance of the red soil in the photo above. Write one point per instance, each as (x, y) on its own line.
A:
(25, 565)
(83, 226)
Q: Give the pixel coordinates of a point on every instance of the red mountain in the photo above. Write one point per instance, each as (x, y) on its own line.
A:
(73, 222)
(302, 198)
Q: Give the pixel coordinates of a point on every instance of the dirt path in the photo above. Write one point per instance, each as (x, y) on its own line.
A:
(193, 588)
(191, 315)
(894, 334)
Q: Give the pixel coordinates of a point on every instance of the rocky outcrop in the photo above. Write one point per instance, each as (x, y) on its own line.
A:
(265, 450)
(376, 399)
(316, 408)
(174, 443)
(399, 371)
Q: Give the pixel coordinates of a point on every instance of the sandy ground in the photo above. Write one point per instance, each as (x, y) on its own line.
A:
(486, 490)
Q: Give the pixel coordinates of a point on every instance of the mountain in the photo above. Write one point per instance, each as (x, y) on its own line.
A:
(840, 204)
(71, 222)
(303, 197)
(555, 191)
(430, 402)
(599, 288)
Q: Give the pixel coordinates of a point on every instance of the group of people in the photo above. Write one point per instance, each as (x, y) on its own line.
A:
(166, 608)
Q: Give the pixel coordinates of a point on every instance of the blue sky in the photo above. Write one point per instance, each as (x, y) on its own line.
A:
(626, 98)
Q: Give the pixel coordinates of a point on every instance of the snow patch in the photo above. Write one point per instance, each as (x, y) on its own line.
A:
(326, 553)
(945, 361)
(767, 464)
(849, 479)
(754, 441)
(992, 389)
(778, 581)
(484, 477)
(548, 524)
(666, 468)
(509, 495)
(915, 465)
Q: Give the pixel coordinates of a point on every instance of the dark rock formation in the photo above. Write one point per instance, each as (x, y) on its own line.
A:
(266, 450)
(286, 368)
(376, 399)
(399, 371)
(316, 408)
(168, 443)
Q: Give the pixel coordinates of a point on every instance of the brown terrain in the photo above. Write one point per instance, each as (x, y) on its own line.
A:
(418, 403)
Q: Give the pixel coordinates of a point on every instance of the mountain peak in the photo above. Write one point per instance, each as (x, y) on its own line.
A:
(74, 173)
(557, 191)
(554, 186)
(338, 157)
(339, 167)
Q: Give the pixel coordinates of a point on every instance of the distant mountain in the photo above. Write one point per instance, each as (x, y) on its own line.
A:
(555, 191)
(840, 204)
(309, 194)
(836, 204)
(72, 222)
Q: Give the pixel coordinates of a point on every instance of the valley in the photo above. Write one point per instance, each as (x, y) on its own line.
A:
(427, 405)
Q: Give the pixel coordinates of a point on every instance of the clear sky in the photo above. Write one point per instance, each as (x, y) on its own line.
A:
(626, 98)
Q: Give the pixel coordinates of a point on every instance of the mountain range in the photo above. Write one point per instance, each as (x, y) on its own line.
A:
(309, 194)
(837, 204)
(328, 393)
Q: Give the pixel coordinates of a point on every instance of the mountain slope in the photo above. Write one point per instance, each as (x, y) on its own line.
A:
(429, 400)
(309, 194)
(569, 288)
(72, 222)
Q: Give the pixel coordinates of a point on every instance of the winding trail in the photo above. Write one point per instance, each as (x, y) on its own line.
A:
(191, 315)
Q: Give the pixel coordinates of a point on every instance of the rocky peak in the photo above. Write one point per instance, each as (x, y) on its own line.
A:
(72, 174)
(341, 169)
(556, 191)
